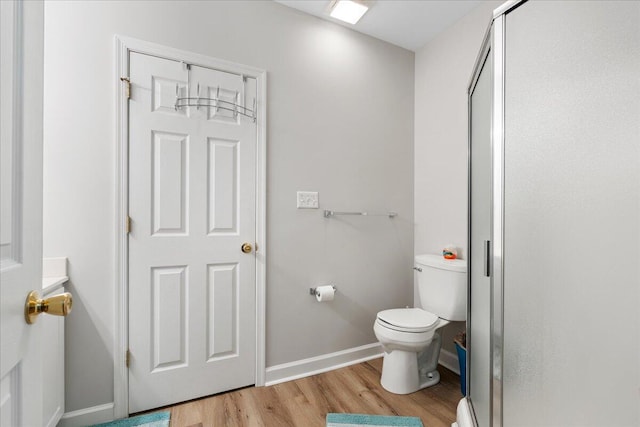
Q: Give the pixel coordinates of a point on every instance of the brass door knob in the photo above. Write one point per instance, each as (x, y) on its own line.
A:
(246, 248)
(57, 305)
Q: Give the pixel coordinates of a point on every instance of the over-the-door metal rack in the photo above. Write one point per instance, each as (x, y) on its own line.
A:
(217, 103)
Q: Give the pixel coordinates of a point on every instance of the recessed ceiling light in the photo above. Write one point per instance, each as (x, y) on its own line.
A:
(348, 10)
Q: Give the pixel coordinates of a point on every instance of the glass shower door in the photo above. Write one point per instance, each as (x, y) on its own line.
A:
(479, 317)
(572, 215)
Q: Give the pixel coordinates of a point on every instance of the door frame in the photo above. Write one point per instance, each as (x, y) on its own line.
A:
(125, 45)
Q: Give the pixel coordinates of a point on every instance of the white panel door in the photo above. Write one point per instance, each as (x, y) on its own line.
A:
(21, 84)
(192, 202)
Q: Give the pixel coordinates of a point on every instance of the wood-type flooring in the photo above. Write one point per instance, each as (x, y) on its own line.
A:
(305, 402)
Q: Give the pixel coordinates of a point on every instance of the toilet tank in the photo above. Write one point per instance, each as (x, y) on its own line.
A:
(442, 286)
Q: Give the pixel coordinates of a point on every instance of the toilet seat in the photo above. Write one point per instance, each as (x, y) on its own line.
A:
(407, 320)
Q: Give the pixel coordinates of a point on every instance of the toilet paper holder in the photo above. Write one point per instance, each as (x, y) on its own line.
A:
(312, 291)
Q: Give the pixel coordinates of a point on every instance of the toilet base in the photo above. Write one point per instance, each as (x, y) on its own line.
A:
(431, 378)
(400, 372)
(407, 379)
(405, 372)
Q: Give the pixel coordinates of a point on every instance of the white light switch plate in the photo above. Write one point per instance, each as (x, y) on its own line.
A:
(307, 200)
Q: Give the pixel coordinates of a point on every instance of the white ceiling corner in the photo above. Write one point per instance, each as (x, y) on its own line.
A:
(406, 23)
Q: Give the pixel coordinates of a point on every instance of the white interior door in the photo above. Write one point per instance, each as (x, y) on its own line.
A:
(21, 81)
(192, 203)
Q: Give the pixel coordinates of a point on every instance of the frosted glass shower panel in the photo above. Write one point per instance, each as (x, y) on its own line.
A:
(479, 343)
(572, 214)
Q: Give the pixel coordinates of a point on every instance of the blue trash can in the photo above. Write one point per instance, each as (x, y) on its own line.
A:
(462, 360)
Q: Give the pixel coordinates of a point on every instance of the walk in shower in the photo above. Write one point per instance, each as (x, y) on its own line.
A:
(554, 217)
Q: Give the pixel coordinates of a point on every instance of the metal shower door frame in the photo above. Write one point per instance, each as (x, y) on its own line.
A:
(493, 48)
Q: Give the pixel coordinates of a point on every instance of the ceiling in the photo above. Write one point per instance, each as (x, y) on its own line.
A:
(406, 23)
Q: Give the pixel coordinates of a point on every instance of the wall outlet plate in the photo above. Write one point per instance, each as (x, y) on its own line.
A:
(307, 200)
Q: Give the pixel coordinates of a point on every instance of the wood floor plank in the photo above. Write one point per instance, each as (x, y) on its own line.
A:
(302, 411)
(306, 402)
(319, 405)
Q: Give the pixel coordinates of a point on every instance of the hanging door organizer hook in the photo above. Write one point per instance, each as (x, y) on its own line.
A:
(217, 103)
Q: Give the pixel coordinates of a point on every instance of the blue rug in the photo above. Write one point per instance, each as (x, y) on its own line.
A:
(156, 419)
(356, 420)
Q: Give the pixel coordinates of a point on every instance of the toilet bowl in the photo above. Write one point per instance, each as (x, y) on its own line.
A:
(410, 337)
(405, 333)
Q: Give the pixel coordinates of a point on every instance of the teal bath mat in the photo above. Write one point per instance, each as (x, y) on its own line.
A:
(157, 419)
(357, 420)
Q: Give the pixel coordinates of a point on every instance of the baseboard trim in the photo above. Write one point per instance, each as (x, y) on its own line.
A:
(274, 375)
(87, 416)
(449, 360)
(319, 364)
(55, 418)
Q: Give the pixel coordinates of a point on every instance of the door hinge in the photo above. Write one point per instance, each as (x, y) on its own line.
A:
(127, 358)
(127, 224)
(127, 88)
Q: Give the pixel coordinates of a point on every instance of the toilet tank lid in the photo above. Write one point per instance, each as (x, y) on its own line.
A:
(438, 261)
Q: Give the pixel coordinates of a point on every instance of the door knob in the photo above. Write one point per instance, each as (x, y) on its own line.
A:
(57, 305)
(246, 248)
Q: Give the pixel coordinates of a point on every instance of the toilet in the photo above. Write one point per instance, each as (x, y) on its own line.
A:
(410, 337)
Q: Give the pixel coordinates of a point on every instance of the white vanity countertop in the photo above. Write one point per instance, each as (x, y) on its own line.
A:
(54, 274)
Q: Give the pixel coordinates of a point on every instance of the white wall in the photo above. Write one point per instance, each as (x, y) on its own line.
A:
(340, 121)
(442, 73)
